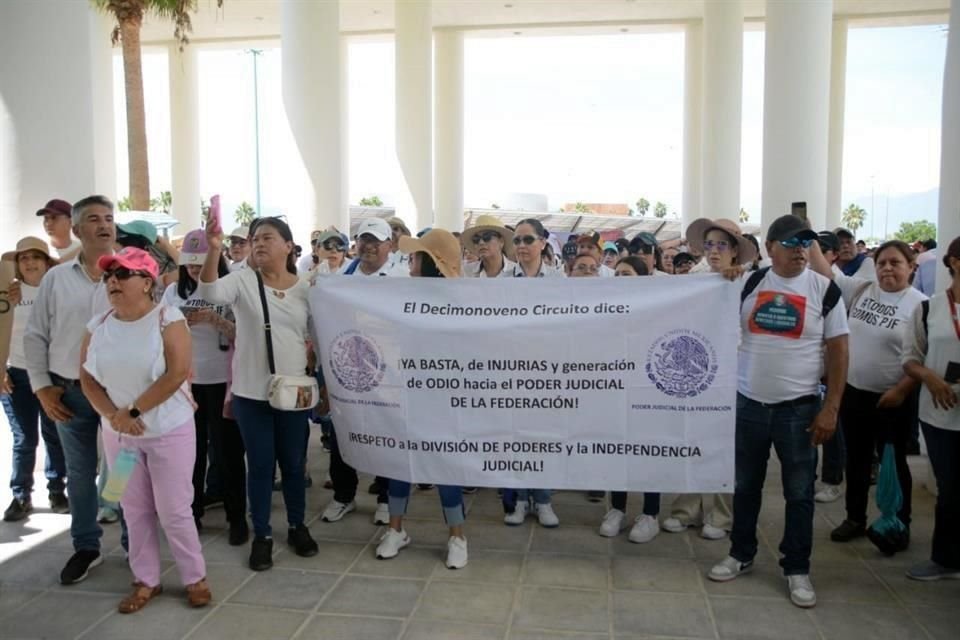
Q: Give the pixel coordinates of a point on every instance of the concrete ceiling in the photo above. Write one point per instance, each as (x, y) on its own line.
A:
(253, 19)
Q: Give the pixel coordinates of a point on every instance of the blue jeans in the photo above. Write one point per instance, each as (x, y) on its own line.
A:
(784, 427)
(451, 499)
(79, 439)
(23, 412)
(270, 437)
(943, 447)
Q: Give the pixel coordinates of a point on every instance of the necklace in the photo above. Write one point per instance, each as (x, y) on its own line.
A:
(278, 294)
(86, 271)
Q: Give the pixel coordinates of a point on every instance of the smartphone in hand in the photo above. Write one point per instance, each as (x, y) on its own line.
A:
(213, 216)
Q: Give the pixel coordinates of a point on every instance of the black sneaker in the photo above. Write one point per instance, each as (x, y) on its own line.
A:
(59, 503)
(17, 510)
(79, 565)
(425, 487)
(261, 554)
(209, 501)
(374, 488)
(595, 496)
(847, 531)
(239, 533)
(299, 538)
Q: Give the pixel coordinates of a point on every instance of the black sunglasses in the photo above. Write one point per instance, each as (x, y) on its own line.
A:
(122, 273)
(333, 245)
(527, 240)
(485, 236)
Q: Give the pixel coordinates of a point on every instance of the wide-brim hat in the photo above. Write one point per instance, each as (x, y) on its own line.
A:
(439, 244)
(488, 223)
(698, 229)
(29, 243)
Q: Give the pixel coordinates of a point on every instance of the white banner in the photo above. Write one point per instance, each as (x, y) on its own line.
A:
(593, 383)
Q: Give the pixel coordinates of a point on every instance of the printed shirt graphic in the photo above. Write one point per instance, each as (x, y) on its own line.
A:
(779, 313)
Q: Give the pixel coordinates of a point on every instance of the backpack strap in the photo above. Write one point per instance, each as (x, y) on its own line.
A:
(830, 299)
(924, 312)
(752, 283)
(352, 267)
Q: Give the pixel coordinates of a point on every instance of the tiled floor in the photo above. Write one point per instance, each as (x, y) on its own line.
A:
(522, 583)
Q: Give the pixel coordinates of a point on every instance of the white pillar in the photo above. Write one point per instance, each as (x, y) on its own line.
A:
(948, 221)
(448, 114)
(185, 137)
(692, 113)
(796, 108)
(312, 71)
(722, 109)
(101, 82)
(414, 50)
(838, 91)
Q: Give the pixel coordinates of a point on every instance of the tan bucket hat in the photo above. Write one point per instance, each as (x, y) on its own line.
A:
(29, 243)
(439, 244)
(489, 223)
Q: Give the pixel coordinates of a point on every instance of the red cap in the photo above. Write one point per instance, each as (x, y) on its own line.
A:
(56, 207)
(131, 258)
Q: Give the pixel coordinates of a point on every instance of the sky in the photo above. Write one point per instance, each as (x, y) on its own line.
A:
(575, 118)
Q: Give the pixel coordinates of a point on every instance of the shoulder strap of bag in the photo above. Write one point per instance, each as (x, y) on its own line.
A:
(752, 283)
(352, 267)
(266, 323)
(924, 312)
(830, 299)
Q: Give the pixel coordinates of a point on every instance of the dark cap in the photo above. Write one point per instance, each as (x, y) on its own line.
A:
(846, 233)
(569, 250)
(790, 226)
(56, 207)
(828, 241)
(683, 257)
(588, 237)
(643, 242)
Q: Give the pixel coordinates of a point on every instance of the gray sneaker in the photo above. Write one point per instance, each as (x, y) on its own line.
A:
(929, 571)
(728, 569)
(801, 591)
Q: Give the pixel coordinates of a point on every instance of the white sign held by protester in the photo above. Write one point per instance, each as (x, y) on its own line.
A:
(618, 384)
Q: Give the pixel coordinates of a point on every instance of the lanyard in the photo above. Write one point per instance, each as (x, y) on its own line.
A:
(953, 312)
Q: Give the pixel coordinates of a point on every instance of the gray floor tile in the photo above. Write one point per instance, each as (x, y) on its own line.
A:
(335, 627)
(762, 619)
(492, 535)
(529, 634)
(250, 623)
(333, 557)
(849, 583)
(58, 615)
(661, 614)
(655, 574)
(164, 618)
(14, 597)
(393, 597)
(412, 562)
(461, 601)
(574, 540)
(945, 593)
(562, 609)
(113, 576)
(842, 620)
(665, 545)
(943, 623)
(285, 589)
(224, 579)
(355, 527)
(764, 581)
(431, 533)
(436, 630)
(36, 569)
(561, 570)
(485, 566)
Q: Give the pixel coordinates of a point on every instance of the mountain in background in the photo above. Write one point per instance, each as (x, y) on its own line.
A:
(907, 207)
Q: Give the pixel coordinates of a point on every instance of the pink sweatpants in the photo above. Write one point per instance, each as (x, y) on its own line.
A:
(161, 485)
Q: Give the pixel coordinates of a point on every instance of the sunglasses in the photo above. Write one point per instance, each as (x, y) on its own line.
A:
(485, 236)
(720, 245)
(527, 240)
(793, 243)
(122, 273)
(333, 245)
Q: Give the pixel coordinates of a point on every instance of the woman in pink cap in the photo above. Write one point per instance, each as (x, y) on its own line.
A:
(147, 412)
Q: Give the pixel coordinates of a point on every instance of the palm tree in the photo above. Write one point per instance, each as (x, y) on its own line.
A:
(129, 15)
(852, 217)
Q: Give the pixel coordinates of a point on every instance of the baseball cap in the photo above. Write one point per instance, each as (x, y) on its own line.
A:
(790, 226)
(140, 228)
(569, 250)
(840, 231)
(195, 248)
(240, 232)
(131, 258)
(828, 241)
(56, 207)
(331, 235)
(399, 224)
(682, 258)
(610, 246)
(377, 227)
(588, 237)
(643, 242)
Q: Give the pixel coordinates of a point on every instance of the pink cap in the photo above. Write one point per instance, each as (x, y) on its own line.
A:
(194, 249)
(131, 258)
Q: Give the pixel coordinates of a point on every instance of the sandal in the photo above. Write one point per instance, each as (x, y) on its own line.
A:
(142, 594)
(198, 594)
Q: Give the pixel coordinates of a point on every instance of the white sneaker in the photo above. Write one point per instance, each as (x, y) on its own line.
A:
(382, 514)
(728, 569)
(829, 493)
(645, 528)
(546, 516)
(456, 553)
(612, 523)
(518, 516)
(673, 525)
(336, 510)
(391, 542)
(801, 591)
(710, 532)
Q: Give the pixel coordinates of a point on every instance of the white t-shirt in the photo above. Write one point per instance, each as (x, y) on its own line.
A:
(289, 321)
(210, 362)
(237, 266)
(21, 314)
(69, 252)
(305, 263)
(389, 268)
(867, 270)
(938, 349)
(127, 372)
(475, 269)
(782, 335)
(877, 322)
(606, 272)
(545, 272)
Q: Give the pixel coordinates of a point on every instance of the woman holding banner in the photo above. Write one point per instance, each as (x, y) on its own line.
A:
(530, 244)
(493, 244)
(436, 255)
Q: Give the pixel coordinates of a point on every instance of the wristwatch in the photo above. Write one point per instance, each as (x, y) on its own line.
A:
(133, 411)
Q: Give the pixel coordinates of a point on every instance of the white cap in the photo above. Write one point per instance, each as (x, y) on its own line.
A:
(240, 232)
(377, 227)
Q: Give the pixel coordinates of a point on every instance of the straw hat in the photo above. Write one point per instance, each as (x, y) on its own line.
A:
(439, 244)
(488, 223)
(29, 243)
(699, 228)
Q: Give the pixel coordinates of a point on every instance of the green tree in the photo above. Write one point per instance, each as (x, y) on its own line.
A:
(912, 231)
(744, 216)
(581, 208)
(163, 202)
(660, 210)
(643, 205)
(853, 216)
(123, 204)
(245, 214)
(129, 15)
(372, 201)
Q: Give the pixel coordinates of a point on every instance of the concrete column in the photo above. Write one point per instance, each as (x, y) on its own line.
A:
(948, 221)
(838, 91)
(312, 73)
(185, 137)
(722, 109)
(414, 51)
(448, 114)
(101, 82)
(692, 113)
(796, 108)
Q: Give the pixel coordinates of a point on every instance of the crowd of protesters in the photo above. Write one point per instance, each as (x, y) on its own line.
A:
(862, 356)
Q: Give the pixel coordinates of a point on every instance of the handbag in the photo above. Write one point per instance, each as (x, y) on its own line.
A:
(285, 393)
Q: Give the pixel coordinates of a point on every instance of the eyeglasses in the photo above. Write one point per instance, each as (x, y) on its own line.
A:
(485, 236)
(720, 245)
(586, 268)
(794, 242)
(333, 245)
(527, 240)
(122, 273)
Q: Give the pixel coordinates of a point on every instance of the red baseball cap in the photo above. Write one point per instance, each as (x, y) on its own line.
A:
(131, 258)
(56, 207)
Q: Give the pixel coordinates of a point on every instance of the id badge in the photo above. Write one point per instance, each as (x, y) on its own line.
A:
(119, 475)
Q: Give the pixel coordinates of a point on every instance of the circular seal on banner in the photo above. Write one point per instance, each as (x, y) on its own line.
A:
(682, 363)
(357, 361)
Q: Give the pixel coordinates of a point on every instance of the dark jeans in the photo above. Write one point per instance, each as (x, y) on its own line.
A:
(943, 447)
(651, 502)
(785, 427)
(23, 413)
(270, 437)
(344, 477)
(224, 438)
(835, 457)
(867, 430)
